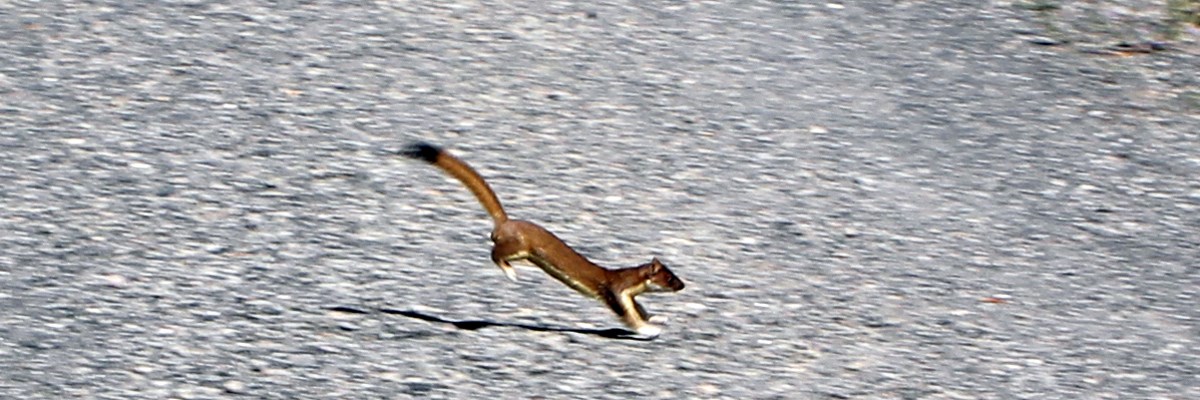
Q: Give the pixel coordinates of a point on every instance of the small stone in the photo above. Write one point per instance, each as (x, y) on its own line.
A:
(1043, 41)
(116, 281)
(707, 389)
(208, 315)
(234, 386)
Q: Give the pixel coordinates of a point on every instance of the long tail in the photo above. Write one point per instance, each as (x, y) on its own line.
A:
(461, 171)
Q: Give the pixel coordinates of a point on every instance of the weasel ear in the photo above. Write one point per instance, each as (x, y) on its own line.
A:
(654, 263)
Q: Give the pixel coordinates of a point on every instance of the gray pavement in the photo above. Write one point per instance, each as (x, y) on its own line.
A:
(917, 200)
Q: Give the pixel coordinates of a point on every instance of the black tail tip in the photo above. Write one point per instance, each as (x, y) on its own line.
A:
(421, 151)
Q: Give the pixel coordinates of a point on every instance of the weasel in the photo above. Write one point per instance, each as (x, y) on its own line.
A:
(516, 240)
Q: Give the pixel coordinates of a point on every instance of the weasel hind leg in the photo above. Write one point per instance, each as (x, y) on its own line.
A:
(503, 252)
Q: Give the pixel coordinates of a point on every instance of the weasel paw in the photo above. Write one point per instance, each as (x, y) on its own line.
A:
(511, 274)
(649, 331)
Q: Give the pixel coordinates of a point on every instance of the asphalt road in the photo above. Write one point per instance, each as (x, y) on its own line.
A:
(917, 200)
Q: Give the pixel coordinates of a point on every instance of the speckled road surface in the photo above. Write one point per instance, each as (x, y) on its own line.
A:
(923, 200)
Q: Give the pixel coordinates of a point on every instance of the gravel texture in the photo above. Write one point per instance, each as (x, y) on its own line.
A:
(911, 200)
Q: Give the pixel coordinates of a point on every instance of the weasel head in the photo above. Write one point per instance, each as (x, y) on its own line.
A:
(660, 278)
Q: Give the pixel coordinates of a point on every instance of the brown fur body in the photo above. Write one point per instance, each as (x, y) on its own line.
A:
(516, 240)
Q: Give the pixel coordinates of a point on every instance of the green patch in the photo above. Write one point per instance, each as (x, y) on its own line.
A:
(1179, 14)
(1184, 11)
(1191, 100)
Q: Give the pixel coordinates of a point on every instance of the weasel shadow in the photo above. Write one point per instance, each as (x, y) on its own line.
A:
(471, 325)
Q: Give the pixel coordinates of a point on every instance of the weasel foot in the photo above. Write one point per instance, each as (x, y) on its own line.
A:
(649, 331)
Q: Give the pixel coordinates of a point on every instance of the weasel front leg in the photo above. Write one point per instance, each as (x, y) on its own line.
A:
(631, 313)
(651, 318)
(641, 311)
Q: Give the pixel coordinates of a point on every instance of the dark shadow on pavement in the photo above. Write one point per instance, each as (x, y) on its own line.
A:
(471, 325)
